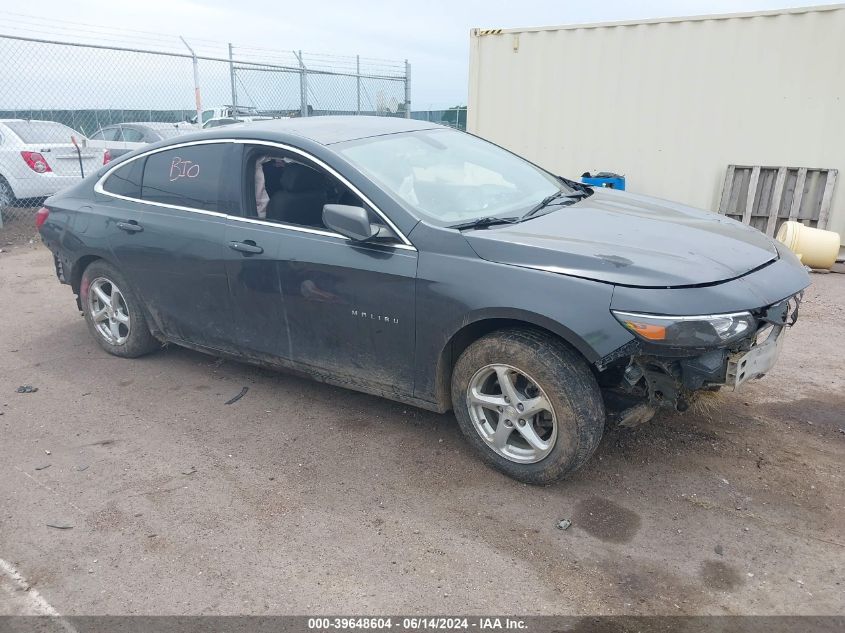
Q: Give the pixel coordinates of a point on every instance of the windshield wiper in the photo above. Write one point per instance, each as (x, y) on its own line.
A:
(543, 203)
(558, 197)
(480, 223)
(567, 198)
(578, 186)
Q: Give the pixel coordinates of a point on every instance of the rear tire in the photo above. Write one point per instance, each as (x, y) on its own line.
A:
(113, 312)
(7, 196)
(547, 420)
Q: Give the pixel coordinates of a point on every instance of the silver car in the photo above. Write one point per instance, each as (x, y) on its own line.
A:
(121, 138)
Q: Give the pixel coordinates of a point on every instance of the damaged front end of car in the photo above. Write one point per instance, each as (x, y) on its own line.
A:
(674, 360)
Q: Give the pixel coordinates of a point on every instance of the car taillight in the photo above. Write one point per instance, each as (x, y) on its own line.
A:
(106, 157)
(41, 217)
(36, 162)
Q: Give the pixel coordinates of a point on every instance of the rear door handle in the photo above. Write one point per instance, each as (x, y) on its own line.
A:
(249, 247)
(130, 227)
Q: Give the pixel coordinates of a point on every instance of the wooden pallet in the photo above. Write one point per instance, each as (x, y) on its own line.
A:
(766, 197)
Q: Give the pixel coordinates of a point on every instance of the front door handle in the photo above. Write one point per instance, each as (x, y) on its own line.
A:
(130, 227)
(248, 247)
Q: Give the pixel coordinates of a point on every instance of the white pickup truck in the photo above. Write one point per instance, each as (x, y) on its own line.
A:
(226, 115)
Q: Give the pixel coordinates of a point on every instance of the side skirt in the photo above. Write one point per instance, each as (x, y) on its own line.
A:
(314, 373)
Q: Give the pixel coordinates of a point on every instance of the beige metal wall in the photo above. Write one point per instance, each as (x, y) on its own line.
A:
(669, 103)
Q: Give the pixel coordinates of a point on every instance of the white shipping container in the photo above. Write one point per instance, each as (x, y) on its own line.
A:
(669, 103)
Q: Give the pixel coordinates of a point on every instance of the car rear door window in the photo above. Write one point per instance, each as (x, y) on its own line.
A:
(126, 180)
(189, 176)
(106, 134)
(131, 135)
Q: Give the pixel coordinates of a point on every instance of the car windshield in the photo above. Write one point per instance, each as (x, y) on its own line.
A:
(449, 176)
(42, 131)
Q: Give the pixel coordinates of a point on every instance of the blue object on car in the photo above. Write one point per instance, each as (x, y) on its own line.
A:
(604, 179)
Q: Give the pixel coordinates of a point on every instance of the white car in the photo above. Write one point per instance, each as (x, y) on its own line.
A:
(38, 158)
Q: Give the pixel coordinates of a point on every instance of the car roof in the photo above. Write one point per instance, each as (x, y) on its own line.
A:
(11, 130)
(153, 125)
(32, 121)
(325, 130)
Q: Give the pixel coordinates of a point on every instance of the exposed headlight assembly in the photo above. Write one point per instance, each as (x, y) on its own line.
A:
(706, 330)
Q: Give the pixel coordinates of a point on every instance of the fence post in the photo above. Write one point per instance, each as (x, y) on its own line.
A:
(197, 96)
(407, 90)
(358, 81)
(303, 86)
(232, 78)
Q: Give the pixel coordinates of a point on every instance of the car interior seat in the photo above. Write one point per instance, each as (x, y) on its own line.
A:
(301, 197)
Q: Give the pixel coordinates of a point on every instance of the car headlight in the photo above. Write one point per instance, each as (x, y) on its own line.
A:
(704, 330)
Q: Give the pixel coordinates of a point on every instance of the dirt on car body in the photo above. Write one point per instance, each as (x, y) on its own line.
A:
(357, 504)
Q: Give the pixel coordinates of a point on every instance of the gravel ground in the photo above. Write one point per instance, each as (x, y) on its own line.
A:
(304, 498)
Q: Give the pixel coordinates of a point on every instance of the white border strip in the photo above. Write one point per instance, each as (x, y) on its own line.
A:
(30, 596)
(98, 188)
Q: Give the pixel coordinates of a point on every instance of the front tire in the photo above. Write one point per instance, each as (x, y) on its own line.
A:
(113, 312)
(528, 404)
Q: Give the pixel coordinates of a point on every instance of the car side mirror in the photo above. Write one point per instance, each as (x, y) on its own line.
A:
(349, 221)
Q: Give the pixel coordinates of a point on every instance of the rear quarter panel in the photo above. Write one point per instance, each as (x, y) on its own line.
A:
(74, 230)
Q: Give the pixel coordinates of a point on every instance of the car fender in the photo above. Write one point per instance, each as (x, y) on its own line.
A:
(529, 318)
(459, 334)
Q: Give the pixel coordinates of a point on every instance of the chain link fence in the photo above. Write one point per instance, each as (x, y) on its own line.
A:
(65, 107)
(453, 117)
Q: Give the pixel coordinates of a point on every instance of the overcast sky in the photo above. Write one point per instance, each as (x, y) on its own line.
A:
(432, 34)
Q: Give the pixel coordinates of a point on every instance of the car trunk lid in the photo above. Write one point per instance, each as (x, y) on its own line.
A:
(64, 161)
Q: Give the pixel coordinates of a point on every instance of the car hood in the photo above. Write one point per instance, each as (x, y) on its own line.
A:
(629, 239)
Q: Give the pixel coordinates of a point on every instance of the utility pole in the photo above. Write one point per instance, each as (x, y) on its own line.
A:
(232, 78)
(407, 90)
(303, 85)
(197, 95)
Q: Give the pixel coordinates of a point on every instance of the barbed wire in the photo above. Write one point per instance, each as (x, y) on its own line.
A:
(68, 31)
(56, 86)
(149, 34)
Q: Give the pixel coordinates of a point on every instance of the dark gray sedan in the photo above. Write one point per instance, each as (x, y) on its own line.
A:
(426, 265)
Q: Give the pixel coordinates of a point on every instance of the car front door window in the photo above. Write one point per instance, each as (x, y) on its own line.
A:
(289, 190)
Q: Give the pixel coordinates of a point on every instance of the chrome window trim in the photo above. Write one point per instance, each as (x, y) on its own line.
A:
(164, 205)
(98, 188)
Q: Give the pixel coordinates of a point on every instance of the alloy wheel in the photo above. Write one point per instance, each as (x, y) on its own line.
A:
(511, 413)
(109, 311)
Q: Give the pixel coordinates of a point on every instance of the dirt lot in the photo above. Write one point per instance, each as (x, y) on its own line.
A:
(304, 498)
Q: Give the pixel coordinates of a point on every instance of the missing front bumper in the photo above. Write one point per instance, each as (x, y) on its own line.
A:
(675, 379)
(756, 362)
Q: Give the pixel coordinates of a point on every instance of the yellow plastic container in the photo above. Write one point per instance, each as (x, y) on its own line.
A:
(815, 248)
